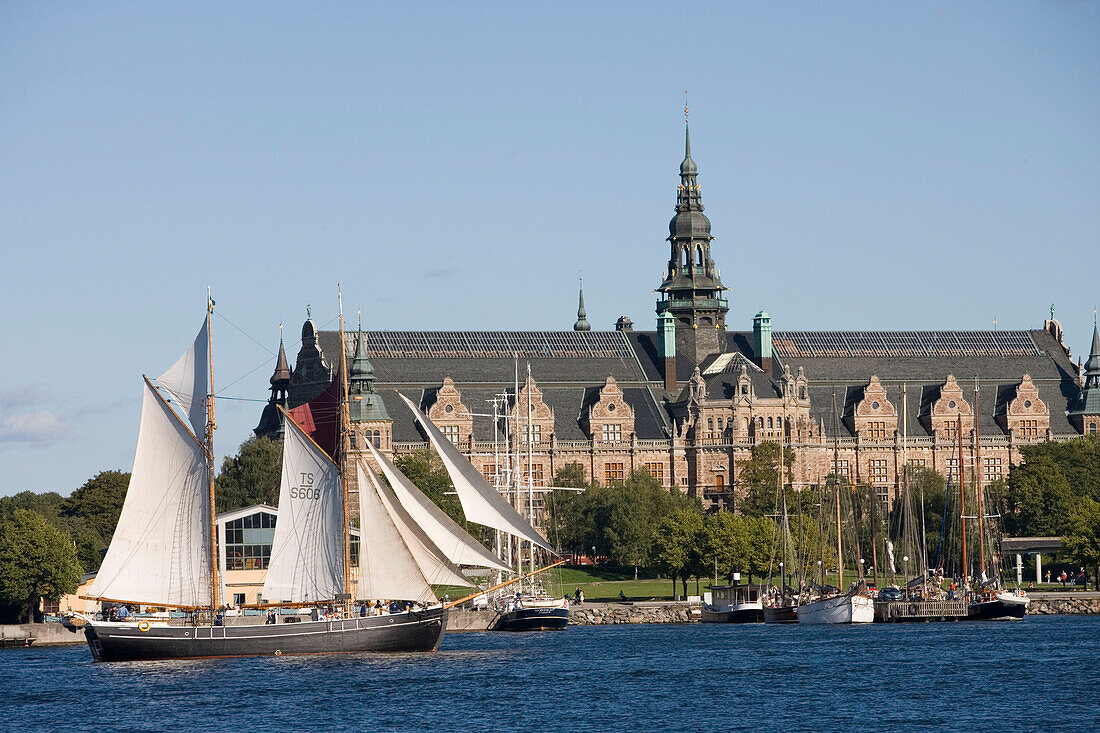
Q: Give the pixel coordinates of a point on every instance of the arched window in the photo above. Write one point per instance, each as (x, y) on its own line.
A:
(801, 393)
(710, 425)
(760, 422)
(698, 256)
(770, 422)
(745, 423)
(377, 438)
(744, 389)
(686, 259)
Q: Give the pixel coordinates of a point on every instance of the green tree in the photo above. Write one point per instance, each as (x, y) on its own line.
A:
(48, 504)
(250, 477)
(1082, 540)
(90, 514)
(99, 502)
(758, 479)
(675, 544)
(1038, 499)
(37, 560)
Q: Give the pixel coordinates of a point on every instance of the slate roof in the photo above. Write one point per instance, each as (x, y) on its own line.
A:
(570, 367)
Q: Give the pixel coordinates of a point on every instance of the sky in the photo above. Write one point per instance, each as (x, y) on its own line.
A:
(931, 165)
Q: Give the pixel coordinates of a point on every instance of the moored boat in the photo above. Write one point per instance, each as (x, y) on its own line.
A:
(733, 604)
(848, 608)
(533, 613)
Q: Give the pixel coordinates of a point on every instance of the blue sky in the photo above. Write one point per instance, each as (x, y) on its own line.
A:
(928, 165)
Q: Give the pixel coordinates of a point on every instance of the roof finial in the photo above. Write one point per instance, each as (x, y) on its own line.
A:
(360, 314)
(309, 312)
(1052, 311)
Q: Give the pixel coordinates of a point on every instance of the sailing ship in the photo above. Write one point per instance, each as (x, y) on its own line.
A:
(835, 605)
(529, 608)
(164, 550)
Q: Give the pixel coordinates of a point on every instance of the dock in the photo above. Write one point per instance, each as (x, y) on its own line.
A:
(900, 611)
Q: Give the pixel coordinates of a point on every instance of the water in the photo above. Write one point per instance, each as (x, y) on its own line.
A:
(1041, 673)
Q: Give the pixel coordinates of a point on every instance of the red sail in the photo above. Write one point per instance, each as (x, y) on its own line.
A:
(320, 418)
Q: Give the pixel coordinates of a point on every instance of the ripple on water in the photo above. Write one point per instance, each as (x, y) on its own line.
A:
(1041, 673)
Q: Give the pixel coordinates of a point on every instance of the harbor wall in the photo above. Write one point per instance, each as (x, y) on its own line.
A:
(38, 635)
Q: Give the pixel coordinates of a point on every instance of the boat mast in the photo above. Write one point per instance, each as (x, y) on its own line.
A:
(211, 426)
(836, 464)
(345, 437)
(962, 504)
(530, 475)
(978, 481)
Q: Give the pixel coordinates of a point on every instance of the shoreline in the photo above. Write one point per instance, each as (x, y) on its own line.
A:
(590, 613)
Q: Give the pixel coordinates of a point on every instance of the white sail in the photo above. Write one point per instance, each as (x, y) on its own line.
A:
(307, 552)
(480, 502)
(455, 542)
(188, 380)
(396, 559)
(160, 552)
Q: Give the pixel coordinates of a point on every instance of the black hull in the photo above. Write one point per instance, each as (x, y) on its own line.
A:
(995, 610)
(781, 615)
(415, 631)
(732, 616)
(533, 619)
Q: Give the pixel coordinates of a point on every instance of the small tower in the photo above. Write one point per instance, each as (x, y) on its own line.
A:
(1085, 410)
(692, 289)
(312, 374)
(582, 323)
(367, 412)
(762, 340)
(271, 420)
(666, 343)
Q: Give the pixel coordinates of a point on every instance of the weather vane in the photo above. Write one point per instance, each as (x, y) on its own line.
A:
(309, 312)
(685, 106)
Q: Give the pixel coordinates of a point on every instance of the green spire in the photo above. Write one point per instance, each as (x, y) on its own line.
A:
(582, 323)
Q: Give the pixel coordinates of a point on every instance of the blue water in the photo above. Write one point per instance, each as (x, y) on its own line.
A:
(1042, 673)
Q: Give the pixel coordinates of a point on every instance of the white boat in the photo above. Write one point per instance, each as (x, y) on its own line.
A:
(164, 550)
(850, 608)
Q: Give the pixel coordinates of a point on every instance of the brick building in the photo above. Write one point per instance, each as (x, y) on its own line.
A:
(689, 400)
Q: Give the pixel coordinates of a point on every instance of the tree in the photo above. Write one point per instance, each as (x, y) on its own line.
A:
(99, 502)
(37, 560)
(91, 513)
(252, 476)
(1082, 540)
(758, 479)
(1038, 499)
(674, 548)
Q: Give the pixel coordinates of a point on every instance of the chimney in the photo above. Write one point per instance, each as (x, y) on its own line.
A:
(666, 344)
(762, 340)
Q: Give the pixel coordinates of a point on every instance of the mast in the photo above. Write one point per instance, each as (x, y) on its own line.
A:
(978, 481)
(836, 464)
(345, 437)
(530, 474)
(962, 506)
(211, 426)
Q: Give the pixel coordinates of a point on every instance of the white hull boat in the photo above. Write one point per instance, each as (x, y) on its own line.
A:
(845, 609)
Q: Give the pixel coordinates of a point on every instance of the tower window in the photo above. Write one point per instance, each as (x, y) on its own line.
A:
(699, 257)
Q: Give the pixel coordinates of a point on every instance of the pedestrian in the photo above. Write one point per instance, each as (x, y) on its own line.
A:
(577, 596)
(1048, 577)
